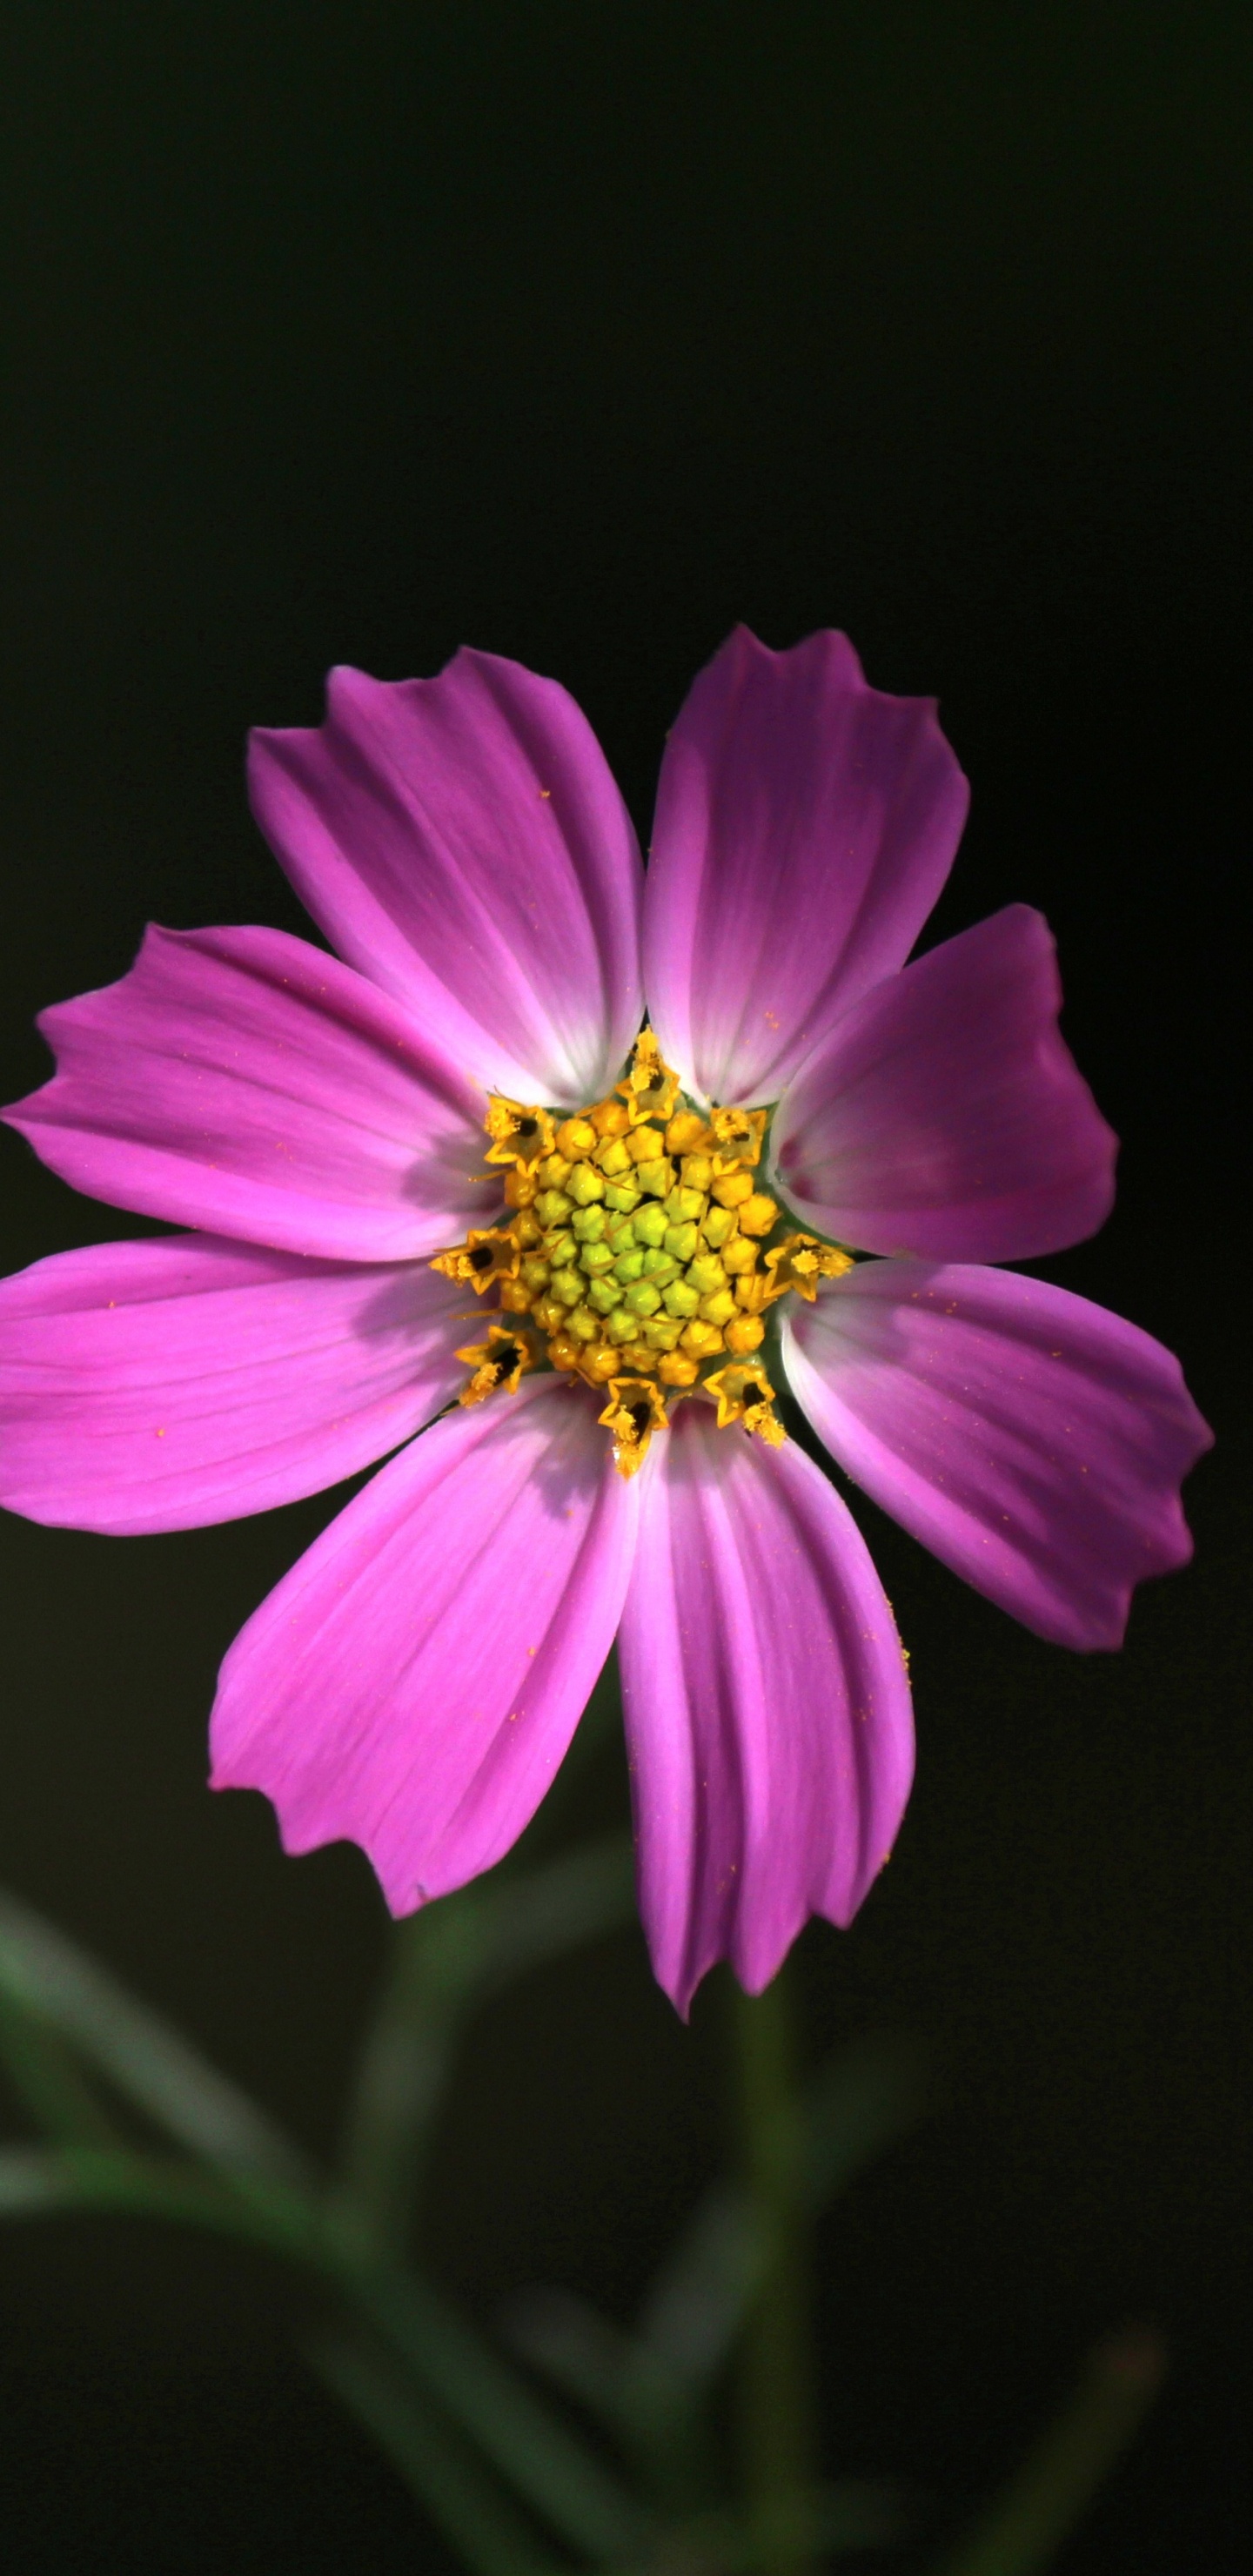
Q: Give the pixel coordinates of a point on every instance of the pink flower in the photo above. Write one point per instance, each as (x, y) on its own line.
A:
(319, 1121)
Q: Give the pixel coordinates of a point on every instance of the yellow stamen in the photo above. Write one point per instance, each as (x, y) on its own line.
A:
(799, 1262)
(737, 1135)
(497, 1363)
(650, 1088)
(634, 1245)
(744, 1394)
(636, 1409)
(486, 1256)
(520, 1133)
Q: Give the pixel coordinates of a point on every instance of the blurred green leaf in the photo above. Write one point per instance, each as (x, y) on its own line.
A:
(47, 2078)
(1047, 2497)
(459, 2373)
(851, 2515)
(643, 2383)
(649, 2384)
(859, 2104)
(556, 1909)
(442, 2473)
(857, 2513)
(583, 2353)
(40, 2182)
(480, 1940)
(625, 2383)
(698, 2300)
(57, 2006)
(545, 2460)
(778, 2423)
(451, 1957)
(448, 1960)
(256, 2189)
(150, 2064)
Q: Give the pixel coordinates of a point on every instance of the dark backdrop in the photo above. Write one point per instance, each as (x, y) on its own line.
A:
(579, 332)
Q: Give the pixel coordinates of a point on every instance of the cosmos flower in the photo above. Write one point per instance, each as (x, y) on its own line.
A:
(452, 1176)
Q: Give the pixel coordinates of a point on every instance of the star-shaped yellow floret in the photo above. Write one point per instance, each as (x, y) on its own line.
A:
(636, 1409)
(497, 1364)
(744, 1394)
(520, 1131)
(488, 1254)
(737, 1135)
(799, 1262)
(650, 1089)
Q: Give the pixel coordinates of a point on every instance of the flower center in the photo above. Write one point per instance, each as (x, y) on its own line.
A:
(638, 1253)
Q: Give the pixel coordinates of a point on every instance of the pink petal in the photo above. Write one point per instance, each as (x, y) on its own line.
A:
(158, 1385)
(767, 1704)
(944, 1115)
(415, 1680)
(245, 1082)
(461, 840)
(1033, 1441)
(805, 825)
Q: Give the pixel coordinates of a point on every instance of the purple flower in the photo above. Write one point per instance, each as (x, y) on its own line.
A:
(607, 1284)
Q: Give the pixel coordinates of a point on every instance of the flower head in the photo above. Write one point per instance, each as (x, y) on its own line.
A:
(578, 1167)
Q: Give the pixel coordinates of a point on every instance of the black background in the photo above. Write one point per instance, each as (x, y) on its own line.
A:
(580, 332)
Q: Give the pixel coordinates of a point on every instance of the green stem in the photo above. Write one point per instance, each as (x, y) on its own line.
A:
(779, 2428)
